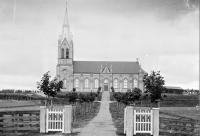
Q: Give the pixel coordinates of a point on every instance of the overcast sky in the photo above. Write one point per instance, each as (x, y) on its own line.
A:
(163, 34)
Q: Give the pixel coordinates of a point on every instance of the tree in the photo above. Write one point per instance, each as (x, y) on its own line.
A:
(50, 88)
(154, 86)
(137, 94)
(131, 96)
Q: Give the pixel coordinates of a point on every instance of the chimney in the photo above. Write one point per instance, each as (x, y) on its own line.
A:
(137, 59)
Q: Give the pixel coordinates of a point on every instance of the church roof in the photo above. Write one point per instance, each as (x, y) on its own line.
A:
(119, 67)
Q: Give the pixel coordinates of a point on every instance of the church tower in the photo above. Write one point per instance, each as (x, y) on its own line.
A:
(64, 69)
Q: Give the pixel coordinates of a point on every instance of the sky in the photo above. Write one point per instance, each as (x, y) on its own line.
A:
(163, 34)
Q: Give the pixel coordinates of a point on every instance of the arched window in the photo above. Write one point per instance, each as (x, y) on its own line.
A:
(62, 53)
(135, 83)
(67, 53)
(115, 83)
(106, 81)
(125, 83)
(96, 83)
(64, 83)
(76, 83)
(86, 83)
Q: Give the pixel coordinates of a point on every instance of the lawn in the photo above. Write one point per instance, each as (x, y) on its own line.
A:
(172, 100)
(15, 103)
(181, 113)
(82, 118)
(185, 112)
(118, 118)
(80, 122)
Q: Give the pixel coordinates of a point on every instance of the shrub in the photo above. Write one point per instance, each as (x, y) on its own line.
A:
(128, 97)
(91, 97)
(74, 89)
(113, 90)
(8, 90)
(98, 90)
(73, 96)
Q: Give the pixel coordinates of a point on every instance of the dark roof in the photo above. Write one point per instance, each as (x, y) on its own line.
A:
(120, 67)
(173, 87)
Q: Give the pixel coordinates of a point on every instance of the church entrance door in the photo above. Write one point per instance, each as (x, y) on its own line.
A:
(106, 85)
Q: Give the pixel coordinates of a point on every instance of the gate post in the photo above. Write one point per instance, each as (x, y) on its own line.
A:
(155, 121)
(67, 118)
(129, 119)
(43, 119)
(125, 121)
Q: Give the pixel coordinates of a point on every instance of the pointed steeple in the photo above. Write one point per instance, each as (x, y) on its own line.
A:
(66, 27)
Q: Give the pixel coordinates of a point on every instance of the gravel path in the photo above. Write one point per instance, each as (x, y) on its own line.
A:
(102, 124)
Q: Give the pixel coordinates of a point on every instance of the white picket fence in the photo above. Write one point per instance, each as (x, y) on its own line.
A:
(143, 121)
(55, 120)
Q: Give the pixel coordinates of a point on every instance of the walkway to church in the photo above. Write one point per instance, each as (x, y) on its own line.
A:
(102, 124)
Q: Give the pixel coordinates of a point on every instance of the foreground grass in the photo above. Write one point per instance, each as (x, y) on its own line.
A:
(184, 112)
(82, 119)
(80, 122)
(118, 119)
(37, 134)
(180, 113)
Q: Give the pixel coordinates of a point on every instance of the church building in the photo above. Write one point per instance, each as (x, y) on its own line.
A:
(90, 75)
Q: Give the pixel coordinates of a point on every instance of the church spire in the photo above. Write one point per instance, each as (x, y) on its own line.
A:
(66, 28)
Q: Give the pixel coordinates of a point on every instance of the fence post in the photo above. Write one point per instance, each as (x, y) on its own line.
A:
(129, 116)
(67, 118)
(125, 126)
(155, 121)
(43, 119)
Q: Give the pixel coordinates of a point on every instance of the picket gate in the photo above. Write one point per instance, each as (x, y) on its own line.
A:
(55, 120)
(143, 121)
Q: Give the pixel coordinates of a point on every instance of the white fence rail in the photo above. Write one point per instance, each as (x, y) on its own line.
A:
(55, 120)
(143, 121)
(125, 121)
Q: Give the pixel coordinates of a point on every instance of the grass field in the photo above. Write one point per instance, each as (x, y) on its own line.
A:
(166, 112)
(172, 100)
(81, 119)
(14, 103)
(187, 112)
